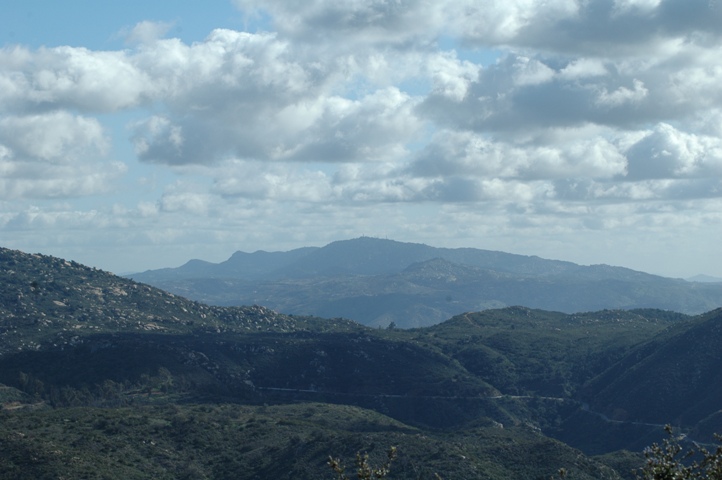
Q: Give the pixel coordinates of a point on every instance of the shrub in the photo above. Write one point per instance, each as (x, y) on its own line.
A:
(669, 461)
(364, 471)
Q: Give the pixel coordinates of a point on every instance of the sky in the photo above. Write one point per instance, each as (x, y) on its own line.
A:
(139, 135)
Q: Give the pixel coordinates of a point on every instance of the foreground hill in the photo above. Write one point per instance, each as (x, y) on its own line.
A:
(279, 442)
(144, 384)
(49, 301)
(674, 378)
(377, 282)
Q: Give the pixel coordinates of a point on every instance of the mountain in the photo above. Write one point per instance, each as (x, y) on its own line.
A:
(101, 376)
(674, 378)
(704, 279)
(249, 266)
(378, 282)
(360, 256)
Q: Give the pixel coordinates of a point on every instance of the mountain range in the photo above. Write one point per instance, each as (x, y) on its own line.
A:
(104, 377)
(379, 282)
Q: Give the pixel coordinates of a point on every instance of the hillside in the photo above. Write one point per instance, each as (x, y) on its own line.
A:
(46, 300)
(128, 378)
(279, 442)
(676, 378)
(377, 282)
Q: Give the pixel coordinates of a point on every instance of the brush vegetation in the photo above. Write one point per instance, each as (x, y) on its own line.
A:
(104, 377)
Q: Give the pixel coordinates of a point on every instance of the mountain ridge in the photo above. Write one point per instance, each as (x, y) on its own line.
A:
(387, 256)
(355, 278)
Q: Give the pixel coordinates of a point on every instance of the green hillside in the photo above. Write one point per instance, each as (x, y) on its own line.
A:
(674, 379)
(103, 377)
(285, 442)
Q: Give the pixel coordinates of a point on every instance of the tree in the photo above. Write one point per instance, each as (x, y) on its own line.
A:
(364, 471)
(669, 461)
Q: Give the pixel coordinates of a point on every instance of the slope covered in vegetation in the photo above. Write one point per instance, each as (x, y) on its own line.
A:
(100, 372)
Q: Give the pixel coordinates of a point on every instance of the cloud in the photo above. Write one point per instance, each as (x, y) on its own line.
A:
(622, 95)
(520, 93)
(374, 128)
(225, 96)
(54, 155)
(63, 183)
(583, 67)
(357, 22)
(667, 152)
(57, 137)
(145, 32)
(326, 129)
(69, 78)
(450, 77)
(623, 7)
(599, 27)
(186, 202)
(247, 96)
(155, 138)
(469, 154)
(276, 182)
(262, 96)
(595, 114)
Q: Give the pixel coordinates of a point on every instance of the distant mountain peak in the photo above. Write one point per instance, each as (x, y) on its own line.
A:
(704, 279)
(376, 280)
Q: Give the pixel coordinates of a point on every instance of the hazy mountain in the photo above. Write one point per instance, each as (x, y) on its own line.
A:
(360, 256)
(704, 279)
(377, 282)
(249, 266)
